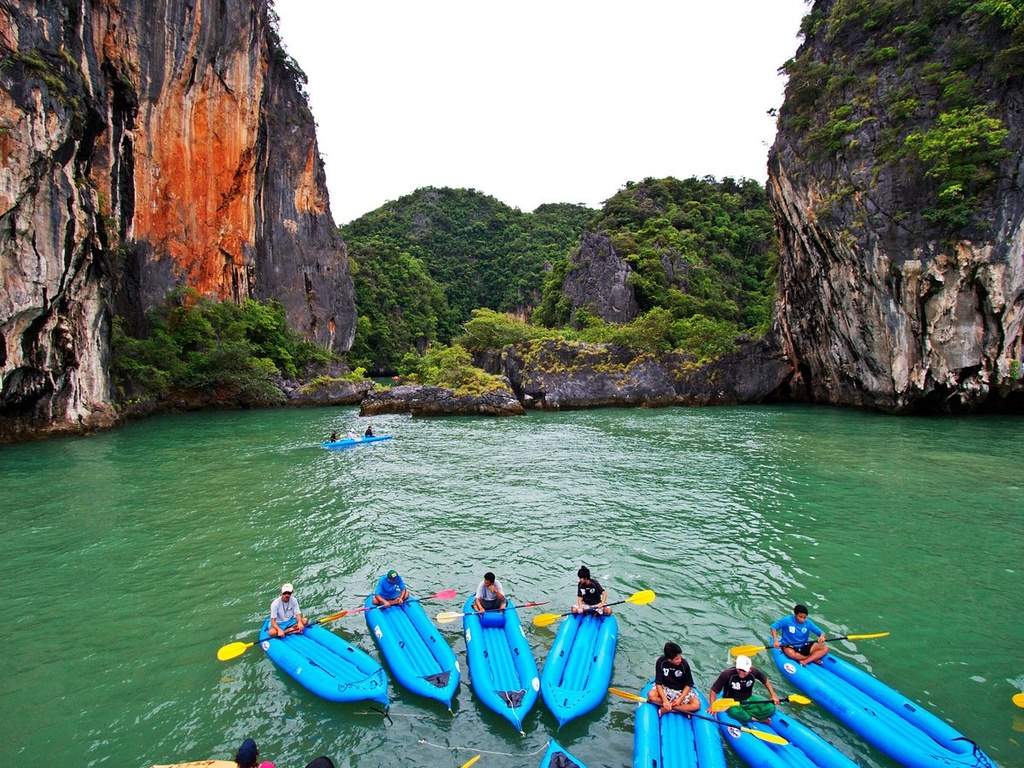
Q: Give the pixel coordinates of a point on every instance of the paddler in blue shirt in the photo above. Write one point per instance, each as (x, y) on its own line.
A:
(284, 610)
(390, 590)
(795, 639)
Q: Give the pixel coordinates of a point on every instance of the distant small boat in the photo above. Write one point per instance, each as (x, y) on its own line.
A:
(351, 443)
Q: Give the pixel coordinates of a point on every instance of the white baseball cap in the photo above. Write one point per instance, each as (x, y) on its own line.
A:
(287, 588)
(744, 663)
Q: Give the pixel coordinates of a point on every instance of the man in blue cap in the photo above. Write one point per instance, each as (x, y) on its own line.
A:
(390, 590)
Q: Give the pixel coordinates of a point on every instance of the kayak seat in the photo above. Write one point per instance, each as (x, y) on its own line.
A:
(492, 619)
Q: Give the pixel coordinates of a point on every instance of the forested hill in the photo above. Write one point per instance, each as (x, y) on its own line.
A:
(422, 263)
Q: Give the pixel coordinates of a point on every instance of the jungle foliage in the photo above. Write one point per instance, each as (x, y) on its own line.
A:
(702, 254)
(476, 251)
(194, 343)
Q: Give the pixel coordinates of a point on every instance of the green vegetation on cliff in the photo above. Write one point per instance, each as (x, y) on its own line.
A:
(918, 84)
(194, 344)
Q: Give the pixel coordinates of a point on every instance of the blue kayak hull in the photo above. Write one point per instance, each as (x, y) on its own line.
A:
(880, 715)
(675, 740)
(418, 656)
(558, 757)
(578, 669)
(327, 665)
(501, 665)
(806, 749)
(346, 443)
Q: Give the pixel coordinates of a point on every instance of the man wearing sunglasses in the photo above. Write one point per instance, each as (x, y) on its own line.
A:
(285, 616)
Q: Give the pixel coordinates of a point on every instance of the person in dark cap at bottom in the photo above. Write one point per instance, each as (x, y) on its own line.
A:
(248, 754)
(321, 762)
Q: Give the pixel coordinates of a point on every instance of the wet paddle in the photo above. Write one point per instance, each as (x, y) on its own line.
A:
(237, 648)
(643, 597)
(750, 650)
(762, 735)
(449, 616)
(1018, 699)
(470, 761)
(720, 705)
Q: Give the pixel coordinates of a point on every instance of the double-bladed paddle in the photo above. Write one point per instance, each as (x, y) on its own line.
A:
(720, 705)
(750, 650)
(449, 616)
(237, 648)
(762, 735)
(643, 597)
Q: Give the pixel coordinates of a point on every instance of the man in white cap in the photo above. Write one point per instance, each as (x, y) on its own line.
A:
(738, 683)
(285, 615)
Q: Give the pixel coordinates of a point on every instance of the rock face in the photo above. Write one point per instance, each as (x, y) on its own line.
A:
(596, 280)
(147, 145)
(895, 180)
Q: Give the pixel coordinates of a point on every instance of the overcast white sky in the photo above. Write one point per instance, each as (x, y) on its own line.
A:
(537, 101)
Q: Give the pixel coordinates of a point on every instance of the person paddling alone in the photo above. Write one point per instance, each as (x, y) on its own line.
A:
(738, 683)
(673, 683)
(285, 611)
(795, 640)
(590, 596)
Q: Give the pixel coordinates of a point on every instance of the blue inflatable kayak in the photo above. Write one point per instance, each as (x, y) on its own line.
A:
(557, 757)
(327, 665)
(419, 657)
(347, 443)
(501, 664)
(883, 717)
(675, 740)
(806, 749)
(578, 669)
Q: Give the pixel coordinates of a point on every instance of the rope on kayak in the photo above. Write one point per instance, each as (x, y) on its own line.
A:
(482, 751)
(981, 757)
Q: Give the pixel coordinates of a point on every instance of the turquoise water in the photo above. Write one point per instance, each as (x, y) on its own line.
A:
(131, 557)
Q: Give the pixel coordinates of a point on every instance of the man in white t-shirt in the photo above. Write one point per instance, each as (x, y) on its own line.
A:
(282, 611)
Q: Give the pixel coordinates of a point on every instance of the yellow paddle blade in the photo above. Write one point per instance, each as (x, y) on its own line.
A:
(796, 698)
(867, 637)
(332, 617)
(721, 705)
(771, 738)
(1018, 699)
(746, 650)
(448, 617)
(470, 761)
(545, 619)
(233, 650)
(643, 597)
(626, 695)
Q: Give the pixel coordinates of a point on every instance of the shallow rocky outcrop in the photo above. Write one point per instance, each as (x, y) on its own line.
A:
(558, 375)
(327, 391)
(439, 401)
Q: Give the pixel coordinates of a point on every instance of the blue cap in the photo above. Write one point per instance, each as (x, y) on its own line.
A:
(247, 753)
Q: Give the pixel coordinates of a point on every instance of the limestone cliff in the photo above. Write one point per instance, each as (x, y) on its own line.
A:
(895, 181)
(147, 144)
